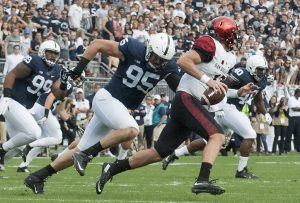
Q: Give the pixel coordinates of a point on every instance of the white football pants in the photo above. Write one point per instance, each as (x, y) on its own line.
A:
(109, 114)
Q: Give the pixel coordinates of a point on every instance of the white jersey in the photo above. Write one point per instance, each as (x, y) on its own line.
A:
(221, 63)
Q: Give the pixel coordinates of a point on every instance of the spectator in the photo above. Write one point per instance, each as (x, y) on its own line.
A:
(107, 26)
(55, 21)
(25, 42)
(64, 25)
(12, 60)
(81, 106)
(11, 41)
(280, 123)
(93, 8)
(159, 117)
(63, 42)
(294, 122)
(75, 14)
(141, 34)
(148, 122)
(80, 49)
(86, 21)
(35, 44)
(101, 13)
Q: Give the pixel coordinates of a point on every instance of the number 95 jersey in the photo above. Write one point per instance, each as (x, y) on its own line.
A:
(27, 90)
(133, 80)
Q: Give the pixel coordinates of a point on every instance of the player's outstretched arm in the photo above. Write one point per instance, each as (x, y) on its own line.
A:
(107, 47)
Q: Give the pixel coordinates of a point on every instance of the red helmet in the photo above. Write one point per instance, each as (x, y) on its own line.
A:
(225, 30)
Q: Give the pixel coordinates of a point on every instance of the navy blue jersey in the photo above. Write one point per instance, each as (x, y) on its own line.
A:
(27, 90)
(242, 77)
(42, 99)
(133, 80)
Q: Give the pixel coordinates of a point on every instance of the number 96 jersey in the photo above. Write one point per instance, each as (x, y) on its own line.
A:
(133, 80)
(27, 90)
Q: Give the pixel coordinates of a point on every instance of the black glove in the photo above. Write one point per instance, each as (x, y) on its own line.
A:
(64, 74)
(76, 72)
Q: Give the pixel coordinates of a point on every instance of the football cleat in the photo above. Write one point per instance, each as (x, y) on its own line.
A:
(80, 162)
(201, 186)
(25, 152)
(245, 174)
(105, 176)
(2, 154)
(35, 184)
(168, 160)
(23, 169)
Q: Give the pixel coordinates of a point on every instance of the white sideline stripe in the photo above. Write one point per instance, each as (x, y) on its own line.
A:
(115, 200)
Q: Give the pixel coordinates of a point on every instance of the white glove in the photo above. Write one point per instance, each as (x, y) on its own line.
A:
(219, 114)
(4, 105)
(42, 121)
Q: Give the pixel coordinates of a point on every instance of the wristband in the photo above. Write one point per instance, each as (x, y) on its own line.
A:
(7, 92)
(46, 113)
(204, 78)
(81, 65)
(232, 93)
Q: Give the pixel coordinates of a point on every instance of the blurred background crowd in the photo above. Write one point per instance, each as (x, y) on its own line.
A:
(267, 27)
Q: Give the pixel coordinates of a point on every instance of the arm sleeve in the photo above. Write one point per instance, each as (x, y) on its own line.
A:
(162, 111)
(173, 80)
(205, 47)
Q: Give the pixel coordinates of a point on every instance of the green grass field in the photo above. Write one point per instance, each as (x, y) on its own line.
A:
(279, 182)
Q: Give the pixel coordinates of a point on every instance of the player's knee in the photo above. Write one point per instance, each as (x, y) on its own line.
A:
(251, 135)
(36, 133)
(133, 132)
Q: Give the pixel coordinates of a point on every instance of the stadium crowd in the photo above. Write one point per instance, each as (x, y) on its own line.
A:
(267, 28)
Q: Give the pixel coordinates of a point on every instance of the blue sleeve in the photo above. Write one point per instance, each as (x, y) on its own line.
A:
(131, 48)
(31, 61)
(162, 111)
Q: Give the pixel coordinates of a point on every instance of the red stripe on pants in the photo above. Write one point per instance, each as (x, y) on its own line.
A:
(196, 112)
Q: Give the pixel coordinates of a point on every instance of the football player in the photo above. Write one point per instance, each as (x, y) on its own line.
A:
(51, 132)
(229, 115)
(210, 56)
(141, 67)
(23, 85)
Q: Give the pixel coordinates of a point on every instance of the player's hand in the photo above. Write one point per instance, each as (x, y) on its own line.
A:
(246, 89)
(64, 74)
(4, 105)
(42, 121)
(218, 86)
(74, 74)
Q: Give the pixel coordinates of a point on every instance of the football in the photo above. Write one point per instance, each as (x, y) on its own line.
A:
(210, 97)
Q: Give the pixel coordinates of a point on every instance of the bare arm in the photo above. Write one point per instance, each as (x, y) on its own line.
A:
(49, 101)
(20, 71)
(107, 47)
(260, 104)
(57, 92)
(187, 62)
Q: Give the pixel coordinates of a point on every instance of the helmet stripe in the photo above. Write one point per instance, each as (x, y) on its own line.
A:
(167, 49)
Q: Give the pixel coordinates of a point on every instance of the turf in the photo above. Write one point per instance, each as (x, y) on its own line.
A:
(279, 182)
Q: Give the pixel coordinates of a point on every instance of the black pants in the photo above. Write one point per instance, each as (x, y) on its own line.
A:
(148, 134)
(293, 128)
(280, 131)
(187, 115)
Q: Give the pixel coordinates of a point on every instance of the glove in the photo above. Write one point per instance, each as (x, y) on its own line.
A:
(4, 105)
(43, 120)
(64, 75)
(219, 114)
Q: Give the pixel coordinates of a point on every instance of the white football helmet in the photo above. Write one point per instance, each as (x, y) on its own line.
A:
(49, 45)
(254, 63)
(159, 46)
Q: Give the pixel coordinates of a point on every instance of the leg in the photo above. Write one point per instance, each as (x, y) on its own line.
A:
(264, 141)
(258, 143)
(290, 131)
(21, 127)
(277, 130)
(240, 124)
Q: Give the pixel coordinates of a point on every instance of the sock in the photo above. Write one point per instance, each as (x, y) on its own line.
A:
(119, 166)
(242, 163)
(204, 171)
(182, 151)
(122, 153)
(45, 172)
(93, 150)
(65, 150)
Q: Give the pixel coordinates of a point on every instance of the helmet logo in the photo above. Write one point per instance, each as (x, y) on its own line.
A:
(167, 49)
